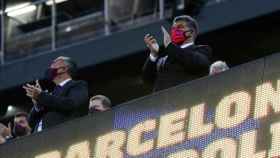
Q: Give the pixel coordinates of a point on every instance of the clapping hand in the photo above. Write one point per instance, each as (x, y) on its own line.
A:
(38, 86)
(152, 44)
(33, 91)
(166, 37)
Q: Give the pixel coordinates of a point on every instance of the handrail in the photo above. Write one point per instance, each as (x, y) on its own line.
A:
(2, 51)
(54, 25)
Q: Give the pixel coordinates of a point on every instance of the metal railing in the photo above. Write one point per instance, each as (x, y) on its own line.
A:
(53, 33)
(2, 50)
(3, 25)
(107, 28)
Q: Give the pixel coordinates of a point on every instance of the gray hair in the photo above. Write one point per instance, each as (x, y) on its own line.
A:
(71, 64)
(105, 100)
(191, 22)
(218, 67)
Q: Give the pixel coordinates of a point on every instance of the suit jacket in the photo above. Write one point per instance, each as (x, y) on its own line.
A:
(177, 65)
(70, 102)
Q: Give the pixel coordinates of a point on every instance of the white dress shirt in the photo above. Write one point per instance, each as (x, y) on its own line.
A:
(154, 58)
(64, 82)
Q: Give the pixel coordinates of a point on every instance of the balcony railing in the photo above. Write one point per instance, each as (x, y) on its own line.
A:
(21, 38)
(43, 26)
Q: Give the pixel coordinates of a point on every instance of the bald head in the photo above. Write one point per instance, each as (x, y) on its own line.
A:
(218, 67)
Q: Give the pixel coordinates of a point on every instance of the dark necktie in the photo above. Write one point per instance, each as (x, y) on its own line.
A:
(57, 90)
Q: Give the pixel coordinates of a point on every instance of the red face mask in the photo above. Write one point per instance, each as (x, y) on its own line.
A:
(178, 36)
(51, 73)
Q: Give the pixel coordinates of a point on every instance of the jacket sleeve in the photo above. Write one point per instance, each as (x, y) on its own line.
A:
(190, 58)
(77, 96)
(149, 71)
(35, 116)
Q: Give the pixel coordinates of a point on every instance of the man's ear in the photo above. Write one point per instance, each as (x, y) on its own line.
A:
(66, 69)
(191, 32)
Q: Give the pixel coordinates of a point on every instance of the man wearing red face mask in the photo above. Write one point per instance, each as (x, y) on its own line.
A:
(180, 60)
(68, 99)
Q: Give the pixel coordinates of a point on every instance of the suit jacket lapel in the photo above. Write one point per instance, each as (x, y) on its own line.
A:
(65, 88)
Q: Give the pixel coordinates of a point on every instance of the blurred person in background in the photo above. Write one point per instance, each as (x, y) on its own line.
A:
(68, 100)
(99, 103)
(21, 126)
(218, 67)
(180, 59)
(5, 132)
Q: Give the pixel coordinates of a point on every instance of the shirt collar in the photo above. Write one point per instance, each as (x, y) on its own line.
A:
(186, 45)
(64, 82)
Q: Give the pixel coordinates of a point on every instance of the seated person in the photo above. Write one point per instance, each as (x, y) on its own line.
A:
(99, 103)
(218, 67)
(21, 126)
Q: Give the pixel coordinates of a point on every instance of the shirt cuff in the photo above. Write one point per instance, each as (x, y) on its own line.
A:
(153, 58)
(37, 109)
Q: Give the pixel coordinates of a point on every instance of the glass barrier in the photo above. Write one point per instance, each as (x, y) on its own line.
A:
(26, 29)
(42, 26)
(27, 36)
(87, 24)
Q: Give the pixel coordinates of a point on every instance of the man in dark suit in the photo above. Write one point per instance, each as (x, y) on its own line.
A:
(99, 103)
(68, 100)
(180, 60)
